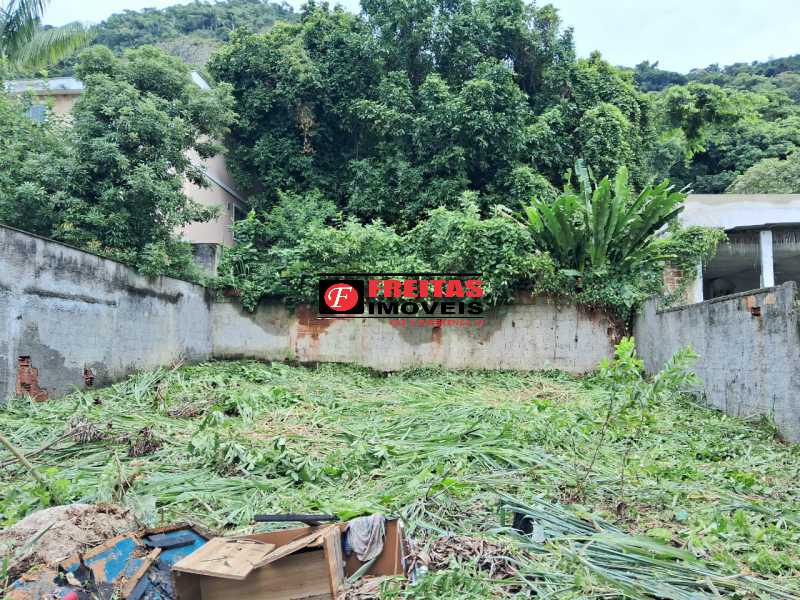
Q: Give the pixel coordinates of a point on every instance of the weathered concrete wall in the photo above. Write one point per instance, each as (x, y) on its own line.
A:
(69, 318)
(69, 311)
(749, 346)
(537, 335)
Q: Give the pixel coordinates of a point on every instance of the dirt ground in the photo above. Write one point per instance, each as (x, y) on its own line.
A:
(72, 528)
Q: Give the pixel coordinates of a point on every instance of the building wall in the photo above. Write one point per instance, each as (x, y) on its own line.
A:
(749, 347)
(63, 103)
(71, 311)
(539, 334)
(218, 230)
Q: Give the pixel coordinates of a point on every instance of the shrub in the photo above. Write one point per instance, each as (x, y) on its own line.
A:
(598, 246)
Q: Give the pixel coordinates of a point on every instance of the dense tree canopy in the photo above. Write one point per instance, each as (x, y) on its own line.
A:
(405, 107)
(770, 176)
(717, 122)
(35, 161)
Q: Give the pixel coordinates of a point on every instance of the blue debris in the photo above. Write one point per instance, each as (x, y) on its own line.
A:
(115, 562)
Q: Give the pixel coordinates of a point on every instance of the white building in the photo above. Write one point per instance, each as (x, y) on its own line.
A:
(763, 247)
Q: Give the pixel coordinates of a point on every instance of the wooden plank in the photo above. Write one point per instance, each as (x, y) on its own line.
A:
(186, 585)
(225, 557)
(282, 537)
(131, 582)
(335, 560)
(302, 575)
(311, 540)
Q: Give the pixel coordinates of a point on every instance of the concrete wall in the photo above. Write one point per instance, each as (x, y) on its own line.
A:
(69, 319)
(536, 335)
(749, 346)
(69, 310)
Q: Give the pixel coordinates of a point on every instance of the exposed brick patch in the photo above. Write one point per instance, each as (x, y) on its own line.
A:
(28, 380)
(673, 278)
(88, 377)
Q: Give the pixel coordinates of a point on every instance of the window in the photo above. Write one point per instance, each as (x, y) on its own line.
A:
(37, 113)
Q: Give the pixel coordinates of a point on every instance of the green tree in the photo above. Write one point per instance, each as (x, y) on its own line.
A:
(110, 178)
(725, 120)
(770, 176)
(36, 161)
(696, 107)
(398, 110)
(136, 128)
(404, 108)
(650, 78)
(601, 116)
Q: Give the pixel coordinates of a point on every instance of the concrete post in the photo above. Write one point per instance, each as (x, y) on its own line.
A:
(767, 268)
(207, 256)
(695, 291)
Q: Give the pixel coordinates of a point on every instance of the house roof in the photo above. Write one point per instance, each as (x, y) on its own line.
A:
(54, 86)
(741, 211)
(62, 86)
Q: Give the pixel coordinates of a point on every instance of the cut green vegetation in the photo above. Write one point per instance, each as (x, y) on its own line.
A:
(631, 488)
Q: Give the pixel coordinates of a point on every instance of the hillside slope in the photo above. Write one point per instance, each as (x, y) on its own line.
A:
(189, 31)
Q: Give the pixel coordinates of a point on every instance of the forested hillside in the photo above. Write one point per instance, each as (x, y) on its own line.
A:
(731, 128)
(353, 135)
(189, 31)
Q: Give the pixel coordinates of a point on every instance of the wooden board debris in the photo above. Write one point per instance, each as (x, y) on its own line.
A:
(303, 575)
(226, 558)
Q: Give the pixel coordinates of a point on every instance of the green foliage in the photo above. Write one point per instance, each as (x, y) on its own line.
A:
(695, 107)
(111, 179)
(131, 29)
(603, 226)
(603, 119)
(461, 241)
(596, 246)
(169, 257)
(650, 78)
(687, 246)
(437, 448)
(415, 121)
(36, 161)
(402, 109)
(290, 271)
(631, 392)
(279, 253)
(271, 259)
(724, 121)
(770, 176)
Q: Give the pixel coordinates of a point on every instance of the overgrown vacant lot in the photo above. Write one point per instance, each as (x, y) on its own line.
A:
(712, 496)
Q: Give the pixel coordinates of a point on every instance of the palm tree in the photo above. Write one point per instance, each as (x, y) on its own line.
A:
(23, 42)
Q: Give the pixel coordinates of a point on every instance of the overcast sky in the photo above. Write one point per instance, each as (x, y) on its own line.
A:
(680, 34)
